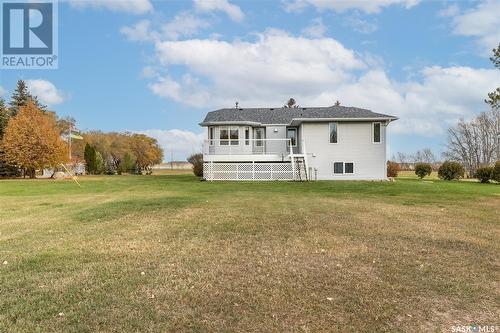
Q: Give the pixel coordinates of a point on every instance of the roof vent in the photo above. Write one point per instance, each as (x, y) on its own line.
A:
(241, 109)
(271, 109)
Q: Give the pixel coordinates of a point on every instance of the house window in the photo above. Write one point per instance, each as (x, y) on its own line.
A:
(259, 136)
(333, 133)
(376, 132)
(224, 136)
(247, 136)
(234, 136)
(338, 167)
(348, 167)
(228, 136)
(211, 131)
(291, 134)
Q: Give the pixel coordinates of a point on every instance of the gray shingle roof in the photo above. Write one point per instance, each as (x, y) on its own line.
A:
(287, 115)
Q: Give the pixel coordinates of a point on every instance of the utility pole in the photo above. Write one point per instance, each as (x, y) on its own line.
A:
(69, 141)
(171, 160)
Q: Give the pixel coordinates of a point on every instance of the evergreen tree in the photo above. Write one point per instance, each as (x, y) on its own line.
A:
(99, 163)
(6, 170)
(90, 159)
(494, 96)
(21, 96)
(128, 164)
(4, 117)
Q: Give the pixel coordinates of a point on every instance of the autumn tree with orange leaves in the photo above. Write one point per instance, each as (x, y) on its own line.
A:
(32, 141)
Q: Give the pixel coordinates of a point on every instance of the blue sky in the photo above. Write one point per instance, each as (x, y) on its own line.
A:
(158, 66)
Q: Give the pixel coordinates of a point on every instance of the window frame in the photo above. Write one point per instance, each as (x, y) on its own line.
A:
(211, 135)
(295, 138)
(221, 140)
(330, 133)
(353, 169)
(379, 132)
(338, 173)
(229, 141)
(234, 142)
(247, 136)
(343, 168)
(259, 142)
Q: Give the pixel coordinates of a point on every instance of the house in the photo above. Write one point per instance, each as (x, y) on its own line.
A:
(303, 143)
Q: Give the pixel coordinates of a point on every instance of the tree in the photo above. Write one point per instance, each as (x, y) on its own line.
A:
(128, 163)
(4, 117)
(6, 170)
(494, 97)
(146, 151)
(495, 59)
(90, 156)
(473, 143)
(451, 170)
(20, 98)
(197, 161)
(423, 169)
(32, 140)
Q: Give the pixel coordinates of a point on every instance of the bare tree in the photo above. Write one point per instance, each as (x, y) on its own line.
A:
(474, 143)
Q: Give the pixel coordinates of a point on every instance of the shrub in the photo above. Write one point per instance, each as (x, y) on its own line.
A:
(496, 172)
(197, 161)
(450, 170)
(484, 174)
(392, 169)
(423, 169)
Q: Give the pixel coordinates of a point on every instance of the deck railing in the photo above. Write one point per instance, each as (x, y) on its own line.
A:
(248, 147)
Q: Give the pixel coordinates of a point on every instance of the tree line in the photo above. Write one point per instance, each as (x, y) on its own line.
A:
(111, 153)
(33, 138)
(476, 143)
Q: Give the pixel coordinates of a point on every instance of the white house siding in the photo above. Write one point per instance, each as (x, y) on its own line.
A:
(355, 144)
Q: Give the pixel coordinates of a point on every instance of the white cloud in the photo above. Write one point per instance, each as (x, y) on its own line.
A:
(181, 143)
(360, 25)
(259, 72)
(482, 22)
(141, 31)
(184, 24)
(319, 71)
(46, 91)
(233, 11)
(316, 29)
(451, 10)
(427, 106)
(367, 6)
(129, 6)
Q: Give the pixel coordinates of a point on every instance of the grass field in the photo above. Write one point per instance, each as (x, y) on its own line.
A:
(169, 253)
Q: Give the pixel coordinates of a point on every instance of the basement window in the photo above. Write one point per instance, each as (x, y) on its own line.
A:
(338, 167)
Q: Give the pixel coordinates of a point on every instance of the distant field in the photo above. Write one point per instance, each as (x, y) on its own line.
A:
(170, 253)
(158, 172)
(412, 175)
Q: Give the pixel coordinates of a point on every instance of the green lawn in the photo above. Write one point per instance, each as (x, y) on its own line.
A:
(172, 254)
